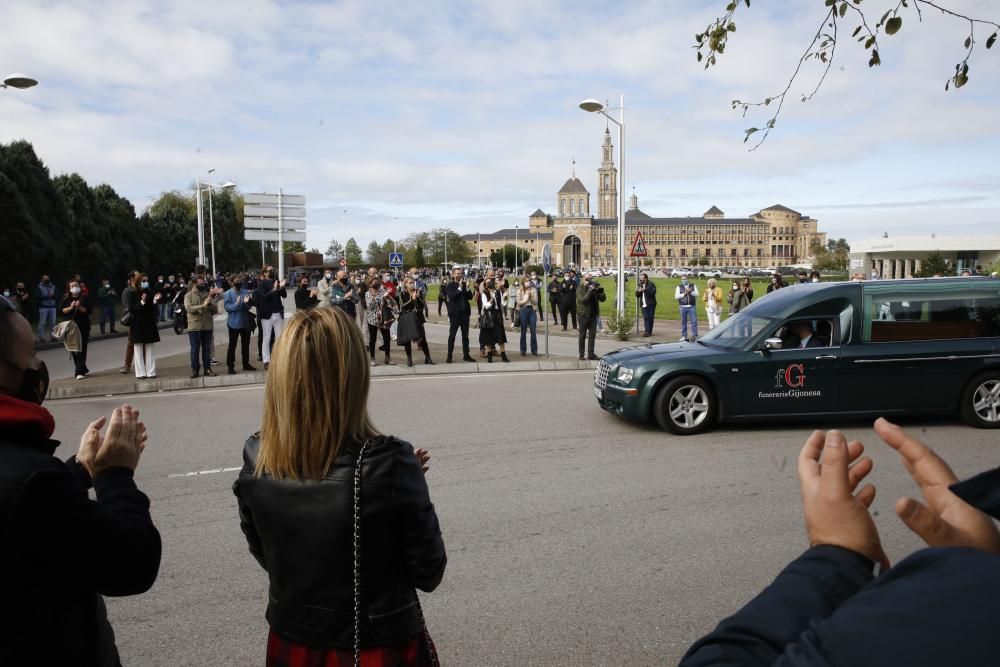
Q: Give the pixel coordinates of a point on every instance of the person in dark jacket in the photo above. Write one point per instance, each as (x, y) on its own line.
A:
(270, 311)
(236, 301)
(305, 296)
(130, 297)
(107, 297)
(840, 603)
(458, 295)
(75, 306)
(554, 298)
(292, 482)
(645, 293)
(61, 550)
(589, 296)
(144, 329)
(567, 295)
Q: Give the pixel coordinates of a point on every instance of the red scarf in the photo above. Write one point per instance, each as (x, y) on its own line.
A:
(25, 420)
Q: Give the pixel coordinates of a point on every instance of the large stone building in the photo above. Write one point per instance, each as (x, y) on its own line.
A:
(776, 235)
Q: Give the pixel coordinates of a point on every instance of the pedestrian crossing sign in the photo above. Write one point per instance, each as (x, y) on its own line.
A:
(638, 246)
(395, 259)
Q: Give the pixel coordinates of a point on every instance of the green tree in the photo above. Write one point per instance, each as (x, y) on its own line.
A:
(933, 264)
(334, 252)
(711, 44)
(509, 256)
(418, 256)
(294, 246)
(376, 256)
(352, 253)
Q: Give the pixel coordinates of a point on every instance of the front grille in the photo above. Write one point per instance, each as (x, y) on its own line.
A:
(601, 377)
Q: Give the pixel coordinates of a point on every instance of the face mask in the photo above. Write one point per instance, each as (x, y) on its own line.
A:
(144, 284)
(684, 282)
(34, 384)
(46, 282)
(107, 284)
(74, 290)
(344, 281)
(170, 279)
(329, 276)
(183, 285)
(202, 288)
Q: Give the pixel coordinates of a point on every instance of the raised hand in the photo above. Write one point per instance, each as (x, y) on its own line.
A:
(123, 442)
(90, 442)
(834, 513)
(423, 456)
(946, 520)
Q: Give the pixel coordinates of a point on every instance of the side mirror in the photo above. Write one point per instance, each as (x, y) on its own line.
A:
(772, 344)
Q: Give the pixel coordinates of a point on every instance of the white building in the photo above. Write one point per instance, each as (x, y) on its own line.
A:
(901, 256)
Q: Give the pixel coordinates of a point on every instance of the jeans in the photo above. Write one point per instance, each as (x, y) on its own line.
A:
(688, 313)
(713, 318)
(243, 336)
(108, 316)
(529, 320)
(588, 333)
(274, 323)
(201, 342)
(164, 311)
(454, 324)
(46, 320)
(647, 318)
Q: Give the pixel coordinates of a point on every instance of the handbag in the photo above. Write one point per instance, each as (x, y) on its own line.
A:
(432, 655)
(488, 319)
(126, 318)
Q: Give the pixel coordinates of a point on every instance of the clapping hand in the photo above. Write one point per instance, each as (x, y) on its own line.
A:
(423, 456)
(834, 513)
(946, 520)
(122, 445)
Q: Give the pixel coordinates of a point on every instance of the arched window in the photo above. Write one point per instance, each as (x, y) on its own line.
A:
(562, 206)
(607, 181)
(583, 207)
(572, 207)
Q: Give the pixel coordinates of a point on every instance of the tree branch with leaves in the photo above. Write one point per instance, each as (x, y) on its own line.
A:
(711, 44)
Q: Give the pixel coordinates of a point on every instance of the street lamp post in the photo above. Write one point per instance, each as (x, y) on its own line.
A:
(593, 106)
(202, 260)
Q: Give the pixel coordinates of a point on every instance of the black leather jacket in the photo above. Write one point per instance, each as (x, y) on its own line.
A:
(301, 532)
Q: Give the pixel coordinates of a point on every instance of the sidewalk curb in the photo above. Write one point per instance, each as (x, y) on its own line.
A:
(120, 333)
(160, 385)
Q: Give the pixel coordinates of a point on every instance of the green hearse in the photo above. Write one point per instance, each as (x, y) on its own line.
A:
(857, 349)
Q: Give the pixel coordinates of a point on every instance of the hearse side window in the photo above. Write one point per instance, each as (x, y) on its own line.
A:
(814, 332)
(932, 312)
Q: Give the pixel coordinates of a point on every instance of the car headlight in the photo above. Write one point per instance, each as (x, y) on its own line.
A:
(625, 375)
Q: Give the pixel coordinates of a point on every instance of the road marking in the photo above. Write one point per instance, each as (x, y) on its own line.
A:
(378, 380)
(203, 472)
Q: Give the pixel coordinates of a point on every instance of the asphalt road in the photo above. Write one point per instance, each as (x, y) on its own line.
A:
(573, 538)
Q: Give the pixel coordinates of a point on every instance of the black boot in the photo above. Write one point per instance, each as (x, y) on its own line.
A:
(409, 360)
(489, 357)
(503, 355)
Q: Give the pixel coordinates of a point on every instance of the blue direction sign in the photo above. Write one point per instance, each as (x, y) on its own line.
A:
(395, 259)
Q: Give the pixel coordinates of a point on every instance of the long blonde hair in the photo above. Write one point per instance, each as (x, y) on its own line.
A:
(316, 397)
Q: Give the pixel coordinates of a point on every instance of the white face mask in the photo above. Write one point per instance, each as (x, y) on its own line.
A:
(74, 290)
(815, 280)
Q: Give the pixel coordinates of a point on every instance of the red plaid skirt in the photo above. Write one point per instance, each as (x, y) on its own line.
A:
(284, 653)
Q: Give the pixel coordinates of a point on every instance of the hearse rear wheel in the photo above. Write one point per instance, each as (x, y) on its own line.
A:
(981, 401)
(686, 405)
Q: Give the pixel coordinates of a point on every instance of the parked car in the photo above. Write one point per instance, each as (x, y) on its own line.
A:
(709, 273)
(681, 273)
(878, 348)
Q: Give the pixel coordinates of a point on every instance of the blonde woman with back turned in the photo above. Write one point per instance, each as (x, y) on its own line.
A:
(298, 508)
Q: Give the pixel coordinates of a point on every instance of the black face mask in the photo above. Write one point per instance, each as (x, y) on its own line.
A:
(34, 384)
(203, 289)
(238, 286)
(344, 281)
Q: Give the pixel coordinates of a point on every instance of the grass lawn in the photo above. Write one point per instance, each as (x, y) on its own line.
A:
(666, 306)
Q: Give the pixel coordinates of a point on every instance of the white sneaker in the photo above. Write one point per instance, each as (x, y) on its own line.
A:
(683, 339)
(80, 377)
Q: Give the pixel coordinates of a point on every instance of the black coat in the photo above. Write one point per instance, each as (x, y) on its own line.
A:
(61, 550)
(458, 299)
(937, 607)
(301, 533)
(650, 292)
(144, 321)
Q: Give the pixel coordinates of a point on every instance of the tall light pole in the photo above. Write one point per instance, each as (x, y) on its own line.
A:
(343, 228)
(593, 106)
(211, 224)
(517, 254)
(211, 218)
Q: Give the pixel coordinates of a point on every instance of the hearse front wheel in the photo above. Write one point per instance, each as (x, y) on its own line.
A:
(685, 405)
(981, 401)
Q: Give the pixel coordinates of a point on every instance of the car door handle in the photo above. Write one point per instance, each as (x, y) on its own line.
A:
(827, 356)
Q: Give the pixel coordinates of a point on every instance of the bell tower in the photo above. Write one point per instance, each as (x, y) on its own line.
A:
(607, 181)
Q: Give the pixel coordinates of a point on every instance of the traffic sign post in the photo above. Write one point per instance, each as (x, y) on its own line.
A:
(395, 260)
(546, 267)
(638, 250)
(274, 217)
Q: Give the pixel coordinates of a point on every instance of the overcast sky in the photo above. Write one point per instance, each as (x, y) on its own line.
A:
(464, 114)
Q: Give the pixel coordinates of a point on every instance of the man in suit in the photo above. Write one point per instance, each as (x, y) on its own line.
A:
(807, 337)
(646, 293)
(459, 311)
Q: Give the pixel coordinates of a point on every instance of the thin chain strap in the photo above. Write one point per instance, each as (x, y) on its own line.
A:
(357, 554)
(431, 650)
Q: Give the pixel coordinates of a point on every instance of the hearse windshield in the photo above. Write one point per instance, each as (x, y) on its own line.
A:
(735, 333)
